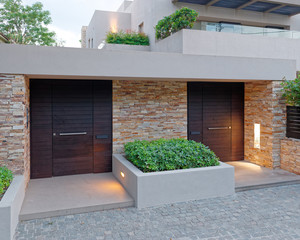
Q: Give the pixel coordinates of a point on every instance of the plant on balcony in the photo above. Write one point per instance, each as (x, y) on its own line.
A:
(183, 18)
(128, 38)
(163, 154)
(291, 91)
(5, 179)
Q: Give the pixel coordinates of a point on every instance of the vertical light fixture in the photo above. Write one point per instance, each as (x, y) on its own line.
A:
(113, 25)
(256, 135)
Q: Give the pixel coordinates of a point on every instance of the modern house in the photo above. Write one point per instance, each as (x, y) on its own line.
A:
(65, 111)
(215, 110)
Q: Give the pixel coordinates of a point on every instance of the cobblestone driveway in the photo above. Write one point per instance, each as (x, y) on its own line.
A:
(272, 213)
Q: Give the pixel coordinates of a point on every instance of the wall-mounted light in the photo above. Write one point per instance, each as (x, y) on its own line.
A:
(122, 174)
(113, 25)
(256, 135)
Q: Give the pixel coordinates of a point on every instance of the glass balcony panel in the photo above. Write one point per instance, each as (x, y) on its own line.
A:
(247, 30)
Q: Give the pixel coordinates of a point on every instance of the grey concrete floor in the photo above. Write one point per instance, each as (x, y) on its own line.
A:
(73, 194)
(251, 176)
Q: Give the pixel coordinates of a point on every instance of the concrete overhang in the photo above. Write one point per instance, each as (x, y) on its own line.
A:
(283, 7)
(56, 62)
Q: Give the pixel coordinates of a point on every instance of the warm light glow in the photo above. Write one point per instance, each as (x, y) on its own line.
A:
(256, 135)
(113, 26)
(122, 174)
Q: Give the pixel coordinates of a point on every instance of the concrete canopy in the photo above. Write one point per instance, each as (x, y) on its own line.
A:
(56, 62)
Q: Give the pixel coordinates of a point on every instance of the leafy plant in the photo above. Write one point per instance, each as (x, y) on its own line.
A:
(26, 24)
(129, 38)
(183, 18)
(6, 177)
(163, 154)
(291, 91)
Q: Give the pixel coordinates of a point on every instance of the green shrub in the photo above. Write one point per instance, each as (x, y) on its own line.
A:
(5, 179)
(291, 91)
(163, 154)
(129, 38)
(183, 18)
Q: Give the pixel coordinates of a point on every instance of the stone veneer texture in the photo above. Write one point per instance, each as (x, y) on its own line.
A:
(264, 105)
(290, 155)
(14, 129)
(148, 110)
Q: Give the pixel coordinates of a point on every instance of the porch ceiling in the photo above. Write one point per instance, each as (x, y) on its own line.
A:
(287, 7)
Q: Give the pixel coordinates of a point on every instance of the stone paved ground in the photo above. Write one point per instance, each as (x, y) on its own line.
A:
(272, 213)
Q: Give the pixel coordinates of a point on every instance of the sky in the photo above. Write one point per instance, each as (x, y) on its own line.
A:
(68, 16)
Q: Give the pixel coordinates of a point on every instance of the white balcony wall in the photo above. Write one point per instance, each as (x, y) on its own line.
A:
(199, 42)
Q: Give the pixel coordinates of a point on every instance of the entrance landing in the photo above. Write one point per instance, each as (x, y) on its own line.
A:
(251, 176)
(57, 196)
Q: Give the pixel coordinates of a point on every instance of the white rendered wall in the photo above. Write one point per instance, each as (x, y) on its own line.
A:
(103, 22)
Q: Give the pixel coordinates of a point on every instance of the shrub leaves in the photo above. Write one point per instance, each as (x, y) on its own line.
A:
(163, 154)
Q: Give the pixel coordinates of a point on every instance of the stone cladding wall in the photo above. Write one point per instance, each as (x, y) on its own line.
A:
(264, 105)
(148, 110)
(290, 155)
(14, 124)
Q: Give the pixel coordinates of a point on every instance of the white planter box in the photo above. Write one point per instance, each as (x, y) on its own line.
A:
(10, 207)
(126, 47)
(157, 188)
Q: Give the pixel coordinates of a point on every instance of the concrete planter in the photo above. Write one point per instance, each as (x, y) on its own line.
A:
(157, 188)
(126, 47)
(10, 206)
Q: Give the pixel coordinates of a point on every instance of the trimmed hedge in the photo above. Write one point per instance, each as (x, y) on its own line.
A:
(129, 38)
(172, 154)
(6, 177)
(183, 18)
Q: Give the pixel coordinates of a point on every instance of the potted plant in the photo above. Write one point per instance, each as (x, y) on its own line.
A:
(291, 92)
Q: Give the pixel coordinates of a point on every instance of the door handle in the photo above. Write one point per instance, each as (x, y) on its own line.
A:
(219, 128)
(73, 134)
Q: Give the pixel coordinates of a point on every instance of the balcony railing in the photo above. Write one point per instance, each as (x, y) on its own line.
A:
(247, 30)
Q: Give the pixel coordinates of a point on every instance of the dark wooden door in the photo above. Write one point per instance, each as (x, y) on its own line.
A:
(216, 118)
(71, 127)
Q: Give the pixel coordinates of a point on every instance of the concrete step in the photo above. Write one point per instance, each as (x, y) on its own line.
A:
(268, 185)
(58, 196)
(24, 216)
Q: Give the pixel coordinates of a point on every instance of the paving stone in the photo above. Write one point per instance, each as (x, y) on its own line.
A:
(272, 213)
